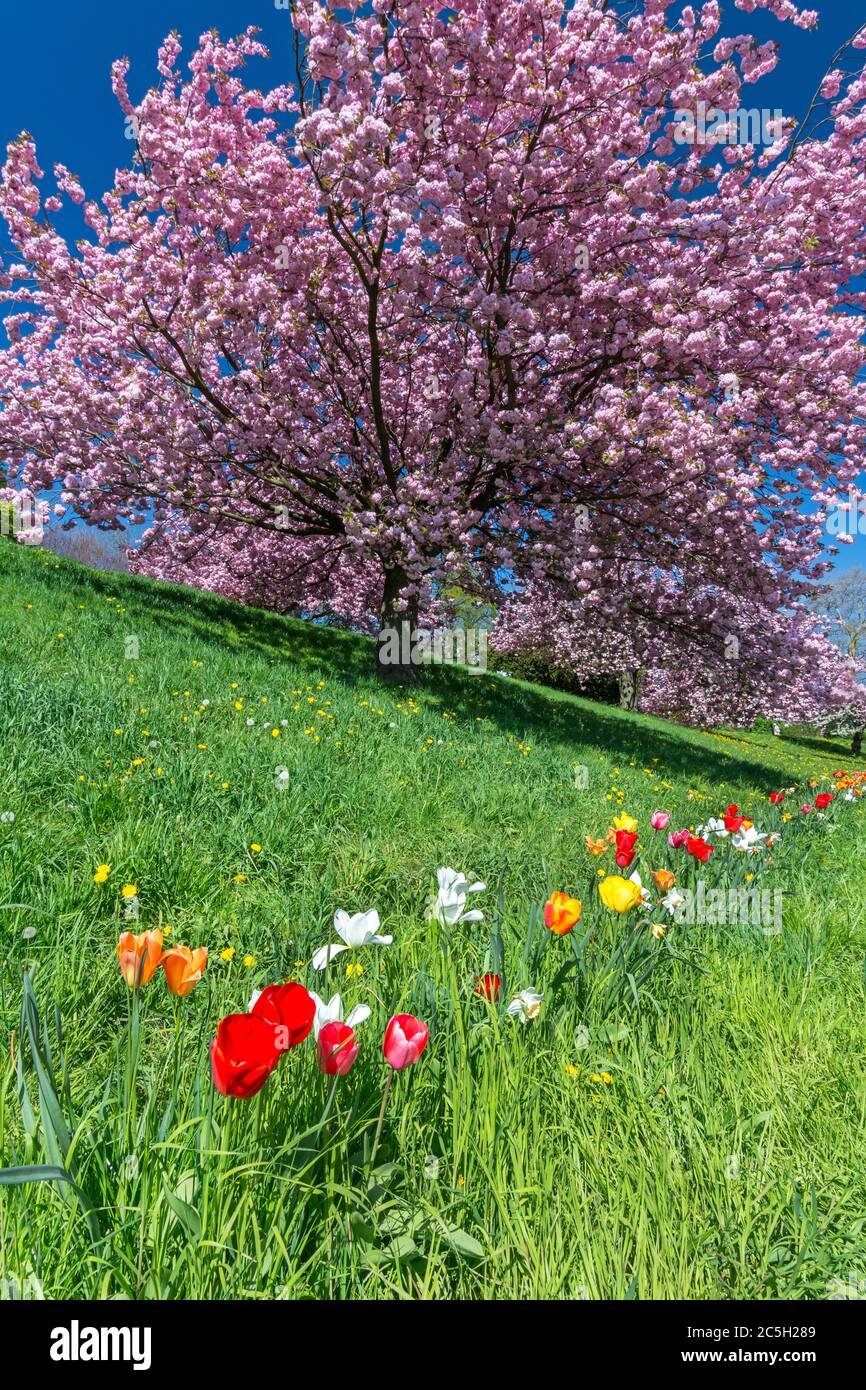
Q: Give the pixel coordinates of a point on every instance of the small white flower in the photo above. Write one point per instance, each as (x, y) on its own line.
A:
(749, 840)
(250, 723)
(362, 929)
(526, 1005)
(448, 907)
(672, 901)
(714, 826)
(644, 892)
(7, 817)
(332, 1012)
(581, 1037)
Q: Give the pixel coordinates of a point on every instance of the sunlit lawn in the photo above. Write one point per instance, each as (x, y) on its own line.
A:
(697, 1136)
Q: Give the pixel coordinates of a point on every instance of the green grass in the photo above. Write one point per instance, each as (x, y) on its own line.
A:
(723, 1158)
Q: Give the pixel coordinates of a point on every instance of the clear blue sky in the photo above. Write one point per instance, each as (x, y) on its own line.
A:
(56, 60)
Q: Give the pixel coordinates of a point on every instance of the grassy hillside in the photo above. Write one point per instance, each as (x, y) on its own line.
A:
(684, 1119)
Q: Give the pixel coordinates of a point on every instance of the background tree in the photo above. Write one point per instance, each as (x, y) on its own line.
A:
(843, 605)
(705, 656)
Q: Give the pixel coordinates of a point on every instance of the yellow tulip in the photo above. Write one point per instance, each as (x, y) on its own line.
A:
(625, 823)
(619, 894)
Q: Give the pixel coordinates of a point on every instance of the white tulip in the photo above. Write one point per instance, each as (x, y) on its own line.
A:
(362, 929)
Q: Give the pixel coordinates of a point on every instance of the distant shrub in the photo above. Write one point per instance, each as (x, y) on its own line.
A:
(101, 550)
(535, 667)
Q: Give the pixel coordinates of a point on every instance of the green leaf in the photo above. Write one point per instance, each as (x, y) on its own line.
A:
(52, 1172)
(186, 1215)
(465, 1244)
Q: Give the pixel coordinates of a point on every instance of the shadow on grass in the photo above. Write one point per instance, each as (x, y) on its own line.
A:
(840, 747)
(513, 706)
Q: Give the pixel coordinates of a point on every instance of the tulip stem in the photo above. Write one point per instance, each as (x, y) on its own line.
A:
(133, 1029)
(381, 1120)
(176, 1058)
(329, 1102)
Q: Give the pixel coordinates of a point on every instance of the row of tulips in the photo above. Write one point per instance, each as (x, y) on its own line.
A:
(562, 912)
(248, 1046)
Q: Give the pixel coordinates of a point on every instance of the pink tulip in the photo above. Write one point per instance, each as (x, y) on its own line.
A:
(806, 809)
(660, 820)
(336, 1049)
(678, 838)
(405, 1040)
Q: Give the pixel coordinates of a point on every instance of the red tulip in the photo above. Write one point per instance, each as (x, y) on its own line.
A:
(405, 1040)
(288, 1008)
(336, 1049)
(733, 823)
(776, 797)
(243, 1054)
(823, 801)
(625, 843)
(732, 810)
(488, 986)
(698, 847)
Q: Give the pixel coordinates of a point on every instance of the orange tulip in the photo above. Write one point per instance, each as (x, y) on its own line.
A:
(139, 956)
(561, 913)
(184, 968)
(596, 846)
(665, 880)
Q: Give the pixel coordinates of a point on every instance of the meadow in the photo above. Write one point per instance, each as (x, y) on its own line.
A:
(682, 1116)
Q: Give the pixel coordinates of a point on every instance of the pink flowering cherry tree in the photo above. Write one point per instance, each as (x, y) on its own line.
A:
(457, 297)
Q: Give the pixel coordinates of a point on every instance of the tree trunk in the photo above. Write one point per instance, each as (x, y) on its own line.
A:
(857, 742)
(630, 683)
(399, 617)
